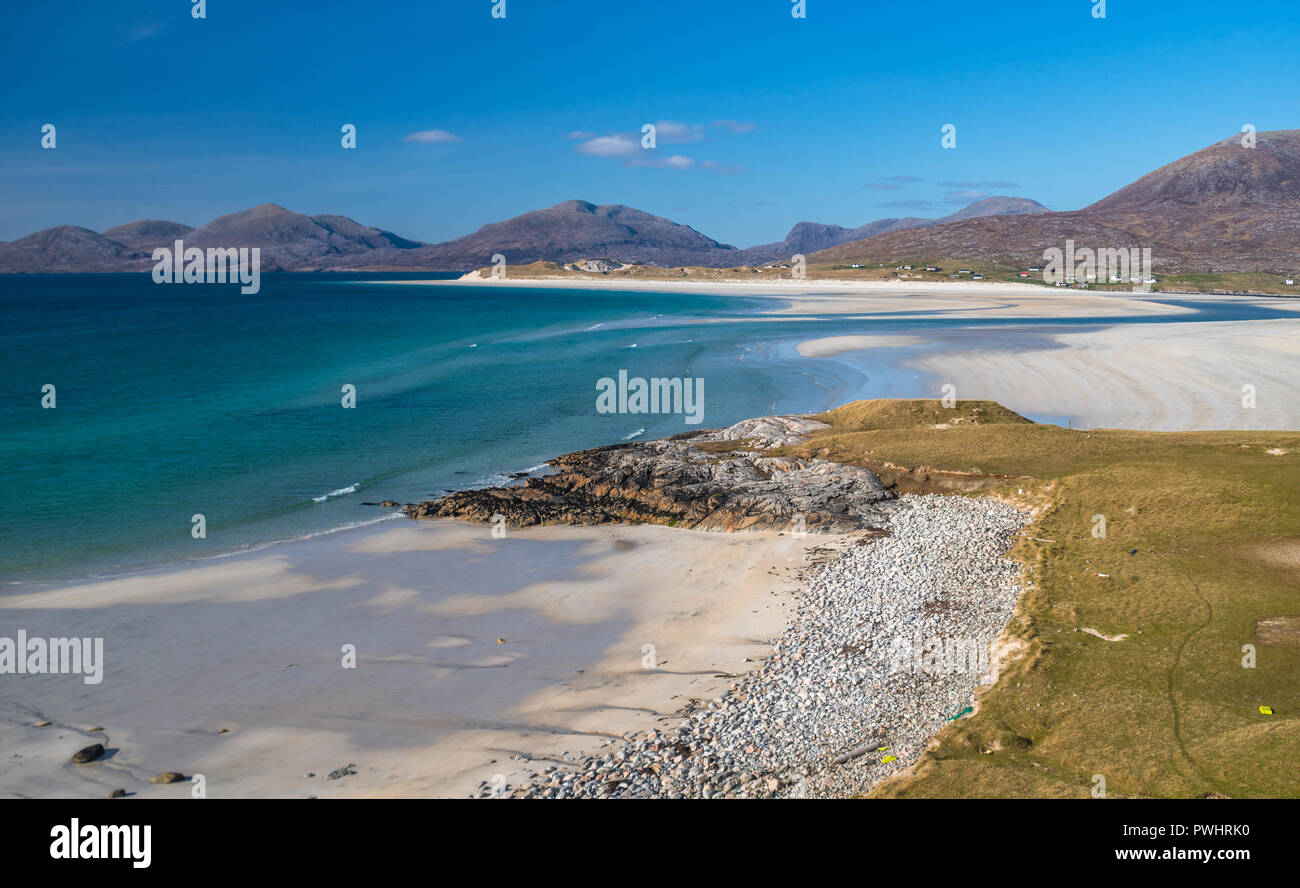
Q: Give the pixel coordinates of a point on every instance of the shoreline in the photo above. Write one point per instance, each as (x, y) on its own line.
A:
(606, 632)
(904, 678)
(246, 685)
(805, 294)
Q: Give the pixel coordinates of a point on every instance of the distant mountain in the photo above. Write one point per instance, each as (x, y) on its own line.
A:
(574, 229)
(809, 237)
(290, 240)
(147, 234)
(1223, 208)
(566, 232)
(68, 248)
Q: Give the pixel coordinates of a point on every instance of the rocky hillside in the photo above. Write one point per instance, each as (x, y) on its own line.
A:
(1223, 208)
(568, 231)
(809, 237)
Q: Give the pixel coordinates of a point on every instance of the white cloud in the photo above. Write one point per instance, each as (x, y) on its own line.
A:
(674, 162)
(675, 131)
(736, 126)
(618, 145)
(627, 148)
(433, 135)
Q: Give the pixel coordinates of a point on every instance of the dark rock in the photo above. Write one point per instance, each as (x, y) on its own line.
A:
(167, 777)
(713, 480)
(88, 754)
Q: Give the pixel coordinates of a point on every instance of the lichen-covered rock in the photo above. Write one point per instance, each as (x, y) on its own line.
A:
(692, 480)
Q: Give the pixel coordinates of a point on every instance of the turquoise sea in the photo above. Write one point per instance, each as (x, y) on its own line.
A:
(174, 401)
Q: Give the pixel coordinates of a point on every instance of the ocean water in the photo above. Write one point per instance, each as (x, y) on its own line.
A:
(174, 401)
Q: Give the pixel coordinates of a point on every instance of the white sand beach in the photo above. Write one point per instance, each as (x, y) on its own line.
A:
(233, 669)
(837, 345)
(473, 651)
(1166, 375)
(878, 298)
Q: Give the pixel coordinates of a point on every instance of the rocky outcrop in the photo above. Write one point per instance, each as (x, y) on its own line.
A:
(599, 266)
(713, 480)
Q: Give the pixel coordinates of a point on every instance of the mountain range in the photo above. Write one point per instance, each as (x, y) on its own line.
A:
(566, 232)
(1224, 208)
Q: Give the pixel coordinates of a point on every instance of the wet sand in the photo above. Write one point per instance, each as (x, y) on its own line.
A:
(436, 706)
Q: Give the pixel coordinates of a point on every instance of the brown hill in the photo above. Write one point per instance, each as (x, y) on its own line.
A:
(290, 240)
(1223, 208)
(146, 234)
(67, 248)
(809, 237)
(568, 231)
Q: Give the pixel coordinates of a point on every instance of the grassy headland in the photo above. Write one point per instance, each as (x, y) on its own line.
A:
(1201, 556)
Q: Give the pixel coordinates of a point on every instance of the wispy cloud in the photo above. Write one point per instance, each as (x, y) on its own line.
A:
(580, 134)
(675, 131)
(912, 205)
(890, 183)
(433, 135)
(672, 162)
(617, 145)
(143, 31)
(966, 183)
(627, 148)
(722, 169)
(965, 197)
(736, 126)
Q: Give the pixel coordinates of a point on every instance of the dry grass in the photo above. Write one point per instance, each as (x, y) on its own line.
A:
(1170, 711)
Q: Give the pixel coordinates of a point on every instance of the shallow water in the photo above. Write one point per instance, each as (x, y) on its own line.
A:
(178, 401)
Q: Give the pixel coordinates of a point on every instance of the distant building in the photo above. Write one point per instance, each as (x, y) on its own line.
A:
(978, 277)
(933, 268)
(1290, 282)
(963, 271)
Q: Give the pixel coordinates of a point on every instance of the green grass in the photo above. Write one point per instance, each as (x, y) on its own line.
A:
(1170, 711)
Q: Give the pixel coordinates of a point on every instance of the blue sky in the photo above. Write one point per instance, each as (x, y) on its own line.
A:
(771, 120)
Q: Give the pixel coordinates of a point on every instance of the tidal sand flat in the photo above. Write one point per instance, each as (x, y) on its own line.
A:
(468, 650)
(1118, 359)
(1170, 376)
